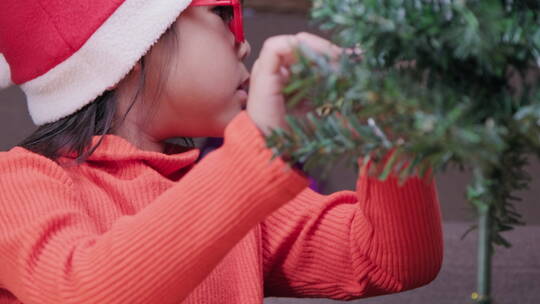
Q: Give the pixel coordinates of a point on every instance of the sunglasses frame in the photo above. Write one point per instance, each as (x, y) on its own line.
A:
(237, 23)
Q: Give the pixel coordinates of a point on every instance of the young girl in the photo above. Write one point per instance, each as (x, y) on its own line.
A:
(97, 207)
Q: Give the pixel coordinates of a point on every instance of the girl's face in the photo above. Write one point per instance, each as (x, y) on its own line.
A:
(201, 94)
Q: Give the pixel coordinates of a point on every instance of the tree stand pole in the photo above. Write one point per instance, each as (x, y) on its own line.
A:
(482, 295)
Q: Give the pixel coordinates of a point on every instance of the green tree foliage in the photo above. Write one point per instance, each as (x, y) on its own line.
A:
(441, 82)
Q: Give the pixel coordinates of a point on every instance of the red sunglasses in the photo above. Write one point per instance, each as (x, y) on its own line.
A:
(236, 25)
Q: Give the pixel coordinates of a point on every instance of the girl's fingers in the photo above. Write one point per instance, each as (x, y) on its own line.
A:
(271, 72)
(320, 45)
(279, 51)
(285, 74)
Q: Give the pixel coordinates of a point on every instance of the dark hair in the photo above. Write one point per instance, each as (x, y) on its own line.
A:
(73, 134)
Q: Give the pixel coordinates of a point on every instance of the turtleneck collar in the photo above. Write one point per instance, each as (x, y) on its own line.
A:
(114, 148)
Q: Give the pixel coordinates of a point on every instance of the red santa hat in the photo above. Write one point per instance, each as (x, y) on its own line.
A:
(64, 54)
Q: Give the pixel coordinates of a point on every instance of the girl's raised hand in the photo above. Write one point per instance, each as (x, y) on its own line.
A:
(271, 73)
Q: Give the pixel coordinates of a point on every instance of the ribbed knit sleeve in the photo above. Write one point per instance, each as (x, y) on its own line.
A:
(380, 239)
(51, 252)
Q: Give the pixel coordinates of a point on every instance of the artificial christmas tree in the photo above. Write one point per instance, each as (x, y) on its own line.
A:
(440, 82)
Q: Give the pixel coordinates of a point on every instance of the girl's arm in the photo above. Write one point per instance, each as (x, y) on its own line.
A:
(52, 251)
(381, 239)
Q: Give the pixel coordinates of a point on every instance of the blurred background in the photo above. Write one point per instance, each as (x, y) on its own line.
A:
(516, 273)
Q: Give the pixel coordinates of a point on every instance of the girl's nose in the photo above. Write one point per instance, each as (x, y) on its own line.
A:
(244, 49)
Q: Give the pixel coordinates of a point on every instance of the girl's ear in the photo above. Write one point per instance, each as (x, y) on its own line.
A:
(137, 67)
(135, 70)
(112, 87)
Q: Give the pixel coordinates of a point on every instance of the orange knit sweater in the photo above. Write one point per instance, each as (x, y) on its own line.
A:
(132, 226)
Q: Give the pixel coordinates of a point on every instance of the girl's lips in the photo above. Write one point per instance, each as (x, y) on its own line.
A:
(243, 91)
(244, 85)
(243, 97)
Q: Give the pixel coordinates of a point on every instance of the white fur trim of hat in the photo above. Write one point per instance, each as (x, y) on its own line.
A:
(5, 73)
(104, 59)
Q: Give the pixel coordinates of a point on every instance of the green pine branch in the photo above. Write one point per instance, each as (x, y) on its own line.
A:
(440, 83)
